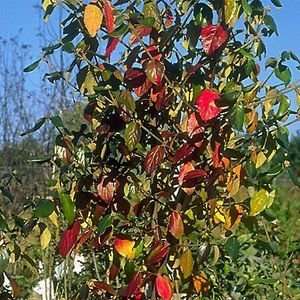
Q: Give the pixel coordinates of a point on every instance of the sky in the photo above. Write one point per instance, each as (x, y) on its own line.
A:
(22, 14)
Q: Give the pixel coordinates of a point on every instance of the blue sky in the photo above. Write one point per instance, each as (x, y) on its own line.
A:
(21, 14)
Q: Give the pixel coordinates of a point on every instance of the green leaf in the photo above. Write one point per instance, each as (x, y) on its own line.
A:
(33, 66)
(277, 3)
(132, 135)
(203, 14)
(238, 116)
(44, 208)
(270, 23)
(68, 207)
(36, 127)
(283, 73)
(57, 121)
(127, 99)
(232, 247)
(104, 223)
(271, 62)
(246, 7)
(283, 106)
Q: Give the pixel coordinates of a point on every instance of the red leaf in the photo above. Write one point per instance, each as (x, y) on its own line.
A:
(206, 104)
(213, 37)
(68, 239)
(139, 32)
(159, 251)
(154, 158)
(151, 51)
(183, 152)
(134, 285)
(193, 177)
(176, 227)
(109, 17)
(111, 46)
(107, 188)
(155, 71)
(193, 126)
(163, 287)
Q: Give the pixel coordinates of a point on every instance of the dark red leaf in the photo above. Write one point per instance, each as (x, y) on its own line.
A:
(139, 32)
(111, 46)
(68, 239)
(108, 12)
(169, 19)
(183, 152)
(107, 188)
(155, 71)
(84, 237)
(144, 88)
(114, 271)
(154, 158)
(97, 287)
(193, 178)
(163, 287)
(134, 77)
(206, 104)
(159, 251)
(158, 95)
(134, 285)
(213, 37)
(216, 157)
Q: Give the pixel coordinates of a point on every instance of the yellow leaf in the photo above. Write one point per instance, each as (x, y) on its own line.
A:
(54, 218)
(92, 19)
(261, 200)
(231, 11)
(219, 216)
(186, 263)
(260, 159)
(47, 3)
(45, 238)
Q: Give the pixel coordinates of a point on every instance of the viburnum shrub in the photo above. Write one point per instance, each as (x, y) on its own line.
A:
(181, 140)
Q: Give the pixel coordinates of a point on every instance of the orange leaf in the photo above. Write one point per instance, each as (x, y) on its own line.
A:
(187, 167)
(124, 247)
(163, 287)
(107, 188)
(176, 227)
(201, 283)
